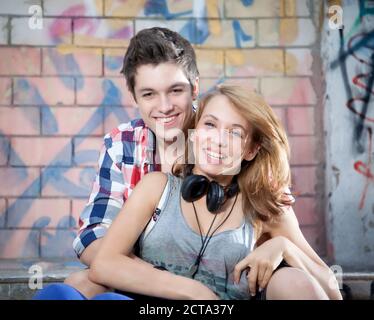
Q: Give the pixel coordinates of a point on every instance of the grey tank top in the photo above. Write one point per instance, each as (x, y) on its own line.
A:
(168, 241)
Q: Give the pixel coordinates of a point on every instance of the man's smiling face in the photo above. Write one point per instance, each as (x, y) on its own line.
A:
(164, 97)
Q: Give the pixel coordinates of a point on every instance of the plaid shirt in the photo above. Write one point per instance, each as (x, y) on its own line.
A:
(127, 155)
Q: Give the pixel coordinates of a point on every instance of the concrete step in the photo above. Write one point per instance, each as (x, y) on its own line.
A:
(19, 279)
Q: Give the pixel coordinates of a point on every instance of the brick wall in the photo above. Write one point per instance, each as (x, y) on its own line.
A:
(61, 91)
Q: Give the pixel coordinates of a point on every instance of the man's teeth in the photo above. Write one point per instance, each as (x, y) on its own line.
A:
(165, 120)
(215, 155)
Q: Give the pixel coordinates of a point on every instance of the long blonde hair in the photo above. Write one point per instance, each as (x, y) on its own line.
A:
(263, 180)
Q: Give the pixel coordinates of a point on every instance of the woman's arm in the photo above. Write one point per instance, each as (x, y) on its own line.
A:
(114, 267)
(298, 253)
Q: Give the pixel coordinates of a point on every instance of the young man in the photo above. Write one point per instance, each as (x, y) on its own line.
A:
(161, 73)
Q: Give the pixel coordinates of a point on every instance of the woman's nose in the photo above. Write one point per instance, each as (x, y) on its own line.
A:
(220, 138)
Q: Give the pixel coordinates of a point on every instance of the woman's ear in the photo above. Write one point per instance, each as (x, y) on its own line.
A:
(251, 154)
(191, 135)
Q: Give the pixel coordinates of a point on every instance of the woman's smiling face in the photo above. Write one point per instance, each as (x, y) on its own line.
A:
(221, 139)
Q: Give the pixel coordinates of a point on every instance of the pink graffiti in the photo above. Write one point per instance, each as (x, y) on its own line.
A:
(364, 169)
(61, 27)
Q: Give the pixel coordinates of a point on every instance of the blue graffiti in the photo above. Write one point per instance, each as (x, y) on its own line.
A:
(366, 8)
(4, 146)
(31, 244)
(367, 41)
(85, 156)
(189, 31)
(154, 7)
(121, 114)
(51, 125)
(239, 34)
(61, 241)
(113, 96)
(247, 3)
(49, 122)
(202, 31)
(65, 64)
(113, 63)
(56, 177)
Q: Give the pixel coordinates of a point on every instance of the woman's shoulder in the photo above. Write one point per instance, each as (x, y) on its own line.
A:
(150, 187)
(155, 179)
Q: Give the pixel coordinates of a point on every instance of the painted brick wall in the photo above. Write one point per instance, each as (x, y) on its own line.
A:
(349, 124)
(61, 91)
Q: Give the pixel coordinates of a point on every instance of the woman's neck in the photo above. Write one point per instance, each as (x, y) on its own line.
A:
(223, 180)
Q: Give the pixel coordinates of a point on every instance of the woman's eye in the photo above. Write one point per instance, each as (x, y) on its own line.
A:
(209, 124)
(236, 133)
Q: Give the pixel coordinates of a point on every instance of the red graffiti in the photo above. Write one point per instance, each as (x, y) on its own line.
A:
(365, 170)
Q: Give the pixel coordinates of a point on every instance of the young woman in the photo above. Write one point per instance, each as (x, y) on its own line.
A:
(209, 218)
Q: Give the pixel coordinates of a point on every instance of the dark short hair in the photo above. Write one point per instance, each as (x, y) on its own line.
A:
(158, 45)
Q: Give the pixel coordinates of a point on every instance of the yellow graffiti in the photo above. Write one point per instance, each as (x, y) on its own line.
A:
(289, 7)
(213, 11)
(70, 49)
(124, 8)
(288, 31)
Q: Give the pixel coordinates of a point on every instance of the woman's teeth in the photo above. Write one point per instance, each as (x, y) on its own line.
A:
(215, 155)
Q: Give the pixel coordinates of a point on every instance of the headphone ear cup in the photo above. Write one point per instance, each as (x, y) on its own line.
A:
(215, 197)
(194, 187)
(232, 190)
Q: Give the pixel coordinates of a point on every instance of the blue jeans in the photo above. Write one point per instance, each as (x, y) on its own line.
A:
(62, 291)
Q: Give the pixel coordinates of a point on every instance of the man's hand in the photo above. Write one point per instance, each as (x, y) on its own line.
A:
(261, 263)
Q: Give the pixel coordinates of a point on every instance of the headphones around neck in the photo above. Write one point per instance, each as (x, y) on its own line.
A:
(196, 186)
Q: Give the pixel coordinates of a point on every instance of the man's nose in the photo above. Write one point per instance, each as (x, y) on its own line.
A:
(165, 104)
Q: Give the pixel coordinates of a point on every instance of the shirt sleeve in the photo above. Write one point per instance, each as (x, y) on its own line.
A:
(107, 197)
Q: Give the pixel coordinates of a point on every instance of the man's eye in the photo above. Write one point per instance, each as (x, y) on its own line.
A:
(148, 94)
(177, 91)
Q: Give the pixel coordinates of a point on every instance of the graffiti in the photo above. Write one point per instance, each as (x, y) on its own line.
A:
(194, 26)
(360, 46)
(358, 80)
(352, 71)
(53, 175)
(154, 7)
(365, 41)
(365, 170)
(239, 34)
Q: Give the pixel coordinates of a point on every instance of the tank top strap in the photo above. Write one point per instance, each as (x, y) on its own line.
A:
(172, 184)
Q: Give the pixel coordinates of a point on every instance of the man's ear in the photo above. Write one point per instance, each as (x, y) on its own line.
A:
(251, 154)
